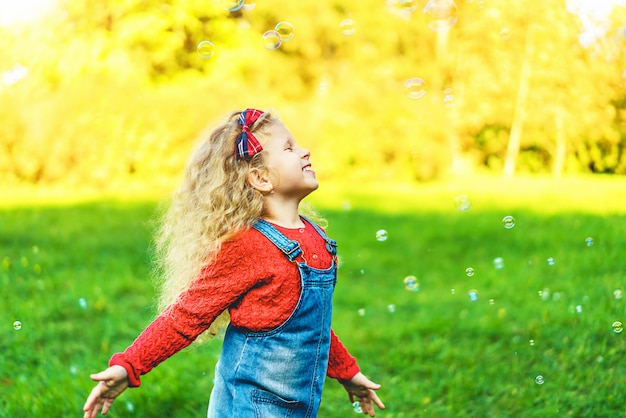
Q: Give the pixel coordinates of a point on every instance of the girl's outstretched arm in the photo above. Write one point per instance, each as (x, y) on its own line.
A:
(111, 383)
(363, 389)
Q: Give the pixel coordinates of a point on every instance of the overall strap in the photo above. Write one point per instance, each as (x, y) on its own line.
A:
(331, 244)
(290, 248)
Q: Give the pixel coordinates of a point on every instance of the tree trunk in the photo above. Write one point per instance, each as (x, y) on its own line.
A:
(561, 143)
(451, 134)
(520, 108)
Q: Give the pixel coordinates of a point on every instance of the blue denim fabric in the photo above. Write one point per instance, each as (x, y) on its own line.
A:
(279, 373)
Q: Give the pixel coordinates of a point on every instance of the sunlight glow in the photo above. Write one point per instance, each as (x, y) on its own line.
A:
(594, 16)
(20, 11)
(15, 74)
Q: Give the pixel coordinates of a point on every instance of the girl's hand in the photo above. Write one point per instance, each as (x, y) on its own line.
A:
(363, 389)
(111, 383)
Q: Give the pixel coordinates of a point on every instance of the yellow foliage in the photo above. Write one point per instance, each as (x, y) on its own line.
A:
(116, 90)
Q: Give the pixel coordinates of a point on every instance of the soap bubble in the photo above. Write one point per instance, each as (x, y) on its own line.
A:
(579, 308)
(618, 294)
(462, 203)
(233, 5)
(473, 295)
(442, 15)
(550, 261)
(498, 263)
(505, 34)
(589, 241)
(361, 312)
(348, 27)
(381, 235)
(248, 5)
(271, 39)
(82, 302)
(411, 284)
(618, 327)
(492, 301)
(508, 222)
(403, 8)
(469, 271)
(206, 49)
(391, 308)
(448, 98)
(285, 31)
(407, 6)
(17, 325)
(531, 342)
(415, 88)
(539, 380)
(356, 406)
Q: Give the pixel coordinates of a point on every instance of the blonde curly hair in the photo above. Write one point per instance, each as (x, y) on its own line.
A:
(214, 202)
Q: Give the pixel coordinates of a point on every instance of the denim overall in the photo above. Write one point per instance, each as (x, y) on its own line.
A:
(280, 373)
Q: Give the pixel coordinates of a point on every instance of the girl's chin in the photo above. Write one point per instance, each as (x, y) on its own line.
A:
(314, 186)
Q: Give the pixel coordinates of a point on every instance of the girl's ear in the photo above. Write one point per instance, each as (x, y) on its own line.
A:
(260, 180)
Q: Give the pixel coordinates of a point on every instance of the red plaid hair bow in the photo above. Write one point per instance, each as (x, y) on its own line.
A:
(246, 144)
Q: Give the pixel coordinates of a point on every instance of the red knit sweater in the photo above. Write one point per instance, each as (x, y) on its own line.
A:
(253, 280)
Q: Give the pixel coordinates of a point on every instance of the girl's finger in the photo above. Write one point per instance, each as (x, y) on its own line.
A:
(93, 411)
(107, 406)
(99, 377)
(377, 401)
(366, 405)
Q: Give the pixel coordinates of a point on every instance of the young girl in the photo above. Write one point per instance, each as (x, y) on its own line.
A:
(235, 250)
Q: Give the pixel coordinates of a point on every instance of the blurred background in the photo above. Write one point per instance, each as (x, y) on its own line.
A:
(111, 93)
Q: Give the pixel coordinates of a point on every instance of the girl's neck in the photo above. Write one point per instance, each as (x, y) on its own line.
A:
(289, 224)
(285, 215)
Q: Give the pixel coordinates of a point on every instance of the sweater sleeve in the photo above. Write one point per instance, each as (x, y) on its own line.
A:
(341, 365)
(159, 341)
(192, 313)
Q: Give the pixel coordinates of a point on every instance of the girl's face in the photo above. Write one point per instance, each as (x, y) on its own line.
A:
(289, 167)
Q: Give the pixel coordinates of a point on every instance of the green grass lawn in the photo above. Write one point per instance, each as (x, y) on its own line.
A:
(77, 277)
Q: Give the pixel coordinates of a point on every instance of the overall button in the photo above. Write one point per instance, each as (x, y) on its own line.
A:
(314, 256)
(301, 230)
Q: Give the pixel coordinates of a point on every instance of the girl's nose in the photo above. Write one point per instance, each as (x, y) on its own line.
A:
(305, 153)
